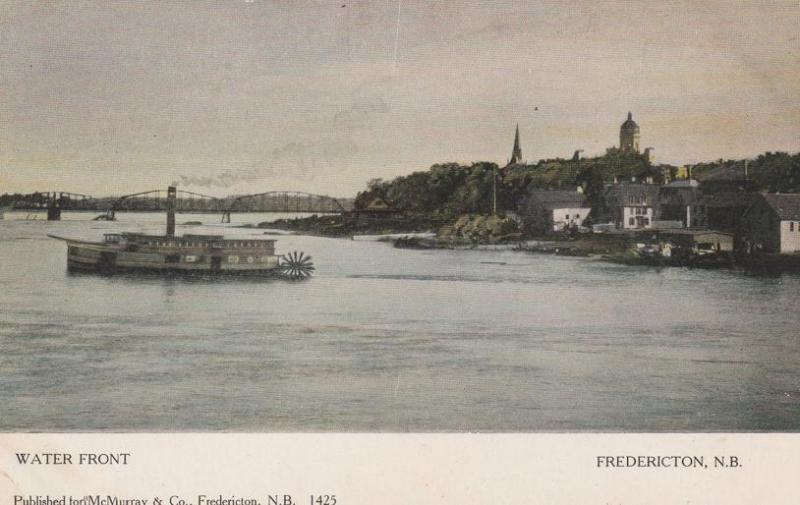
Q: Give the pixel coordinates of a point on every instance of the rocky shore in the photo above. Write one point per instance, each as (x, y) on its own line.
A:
(474, 232)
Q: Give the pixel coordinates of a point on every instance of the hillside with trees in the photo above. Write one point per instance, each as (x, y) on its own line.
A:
(452, 189)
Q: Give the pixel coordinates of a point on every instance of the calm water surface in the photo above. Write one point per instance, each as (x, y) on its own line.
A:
(389, 340)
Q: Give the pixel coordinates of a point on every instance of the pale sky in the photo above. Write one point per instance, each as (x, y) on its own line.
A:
(245, 96)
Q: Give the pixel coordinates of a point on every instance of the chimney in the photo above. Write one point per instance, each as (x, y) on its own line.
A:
(172, 196)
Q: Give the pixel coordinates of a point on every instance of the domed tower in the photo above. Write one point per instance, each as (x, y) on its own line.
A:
(629, 135)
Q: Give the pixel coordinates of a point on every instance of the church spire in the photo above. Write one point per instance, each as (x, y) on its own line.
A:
(516, 153)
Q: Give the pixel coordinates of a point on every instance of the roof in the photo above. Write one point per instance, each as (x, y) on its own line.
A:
(630, 124)
(378, 203)
(626, 194)
(785, 205)
(558, 199)
(728, 172)
(730, 199)
(678, 195)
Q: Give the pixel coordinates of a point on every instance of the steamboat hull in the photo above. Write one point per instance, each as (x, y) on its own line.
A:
(106, 259)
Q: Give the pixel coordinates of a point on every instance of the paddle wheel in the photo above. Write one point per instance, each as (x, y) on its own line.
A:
(296, 265)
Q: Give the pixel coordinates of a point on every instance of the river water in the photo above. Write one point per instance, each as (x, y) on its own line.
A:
(382, 339)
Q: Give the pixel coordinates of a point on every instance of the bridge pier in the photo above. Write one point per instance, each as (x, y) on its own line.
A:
(53, 209)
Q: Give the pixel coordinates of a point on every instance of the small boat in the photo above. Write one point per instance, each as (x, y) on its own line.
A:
(189, 253)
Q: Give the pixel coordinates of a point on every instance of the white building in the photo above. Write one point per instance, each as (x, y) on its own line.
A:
(554, 211)
(632, 206)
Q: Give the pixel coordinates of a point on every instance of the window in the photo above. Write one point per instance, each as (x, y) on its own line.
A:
(567, 217)
(577, 216)
(233, 259)
(791, 225)
(172, 258)
(632, 221)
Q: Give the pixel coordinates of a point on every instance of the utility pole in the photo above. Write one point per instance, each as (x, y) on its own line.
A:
(494, 191)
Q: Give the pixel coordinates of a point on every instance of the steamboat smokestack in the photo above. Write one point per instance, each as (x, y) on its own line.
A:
(172, 197)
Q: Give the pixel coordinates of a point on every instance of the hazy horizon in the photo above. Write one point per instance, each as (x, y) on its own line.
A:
(323, 96)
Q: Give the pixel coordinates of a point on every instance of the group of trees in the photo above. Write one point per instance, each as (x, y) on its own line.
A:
(454, 189)
(447, 188)
(774, 172)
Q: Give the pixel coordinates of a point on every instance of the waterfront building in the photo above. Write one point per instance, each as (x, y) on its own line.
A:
(377, 210)
(695, 241)
(632, 206)
(772, 224)
(546, 211)
(629, 136)
(721, 211)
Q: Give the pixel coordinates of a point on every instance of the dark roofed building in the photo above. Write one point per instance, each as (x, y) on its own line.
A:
(722, 211)
(772, 224)
(786, 205)
(376, 209)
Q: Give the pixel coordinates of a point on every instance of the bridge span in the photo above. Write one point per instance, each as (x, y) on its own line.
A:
(188, 201)
(284, 201)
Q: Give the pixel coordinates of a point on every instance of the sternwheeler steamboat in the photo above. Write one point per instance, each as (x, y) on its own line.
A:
(189, 253)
